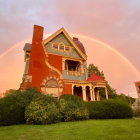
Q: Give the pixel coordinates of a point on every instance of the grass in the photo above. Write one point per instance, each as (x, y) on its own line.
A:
(121, 129)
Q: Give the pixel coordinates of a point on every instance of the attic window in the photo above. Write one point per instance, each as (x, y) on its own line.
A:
(67, 49)
(61, 47)
(55, 46)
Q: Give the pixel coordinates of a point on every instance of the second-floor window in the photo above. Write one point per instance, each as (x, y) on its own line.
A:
(55, 46)
(61, 47)
(67, 48)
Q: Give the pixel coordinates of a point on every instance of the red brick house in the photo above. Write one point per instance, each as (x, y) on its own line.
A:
(57, 65)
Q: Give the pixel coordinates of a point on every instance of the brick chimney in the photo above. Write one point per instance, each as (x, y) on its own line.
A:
(37, 58)
(37, 36)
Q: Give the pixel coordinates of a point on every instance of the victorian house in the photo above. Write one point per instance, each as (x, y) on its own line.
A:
(137, 85)
(58, 65)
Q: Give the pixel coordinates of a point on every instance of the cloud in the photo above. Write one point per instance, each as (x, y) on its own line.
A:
(115, 22)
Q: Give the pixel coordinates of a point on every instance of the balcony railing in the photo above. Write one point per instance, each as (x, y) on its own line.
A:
(73, 73)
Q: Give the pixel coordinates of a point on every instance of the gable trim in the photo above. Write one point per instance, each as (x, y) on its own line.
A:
(69, 38)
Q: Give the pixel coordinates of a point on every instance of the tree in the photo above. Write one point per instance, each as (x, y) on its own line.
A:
(92, 68)
(111, 91)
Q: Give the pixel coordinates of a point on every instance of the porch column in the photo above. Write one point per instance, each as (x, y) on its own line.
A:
(91, 93)
(63, 64)
(98, 95)
(72, 89)
(106, 93)
(84, 92)
(82, 67)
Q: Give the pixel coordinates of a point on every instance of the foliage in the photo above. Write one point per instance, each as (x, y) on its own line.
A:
(13, 105)
(92, 68)
(111, 91)
(24, 98)
(10, 112)
(43, 110)
(10, 91)
(109, 109)
(72, 108)
(126, 98)
(137, 112)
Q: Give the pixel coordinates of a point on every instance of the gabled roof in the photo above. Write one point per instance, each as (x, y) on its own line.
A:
(62, 30)
(95, 77)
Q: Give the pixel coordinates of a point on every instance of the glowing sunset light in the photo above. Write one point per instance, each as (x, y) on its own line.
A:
(112, 49)
(119, 71)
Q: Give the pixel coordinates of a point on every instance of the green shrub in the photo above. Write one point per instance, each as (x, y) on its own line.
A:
(10, 112)
(137, 112)
(12, 106)
(43, 110)
(72, 108)
(25, 97)
(109, 109)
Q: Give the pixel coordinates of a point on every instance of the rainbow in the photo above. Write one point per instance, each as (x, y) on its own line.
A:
(113, 50)
(85, 37)
(13, 47)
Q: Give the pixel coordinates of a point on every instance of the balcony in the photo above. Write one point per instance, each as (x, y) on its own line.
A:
(73, 67)
(73, 73)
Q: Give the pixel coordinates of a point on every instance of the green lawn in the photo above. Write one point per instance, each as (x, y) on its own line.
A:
(123, 129)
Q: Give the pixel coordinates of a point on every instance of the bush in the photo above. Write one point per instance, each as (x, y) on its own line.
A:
(12, 106)
(10, 112)
(109, 109)
(137, 112)
(72, 108)
(24, 98)
(43, 110)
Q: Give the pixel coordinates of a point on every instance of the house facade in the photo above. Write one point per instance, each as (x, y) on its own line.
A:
(58, 65)
(137, 85)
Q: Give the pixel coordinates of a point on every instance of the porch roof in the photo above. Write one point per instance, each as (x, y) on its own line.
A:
(95, 77)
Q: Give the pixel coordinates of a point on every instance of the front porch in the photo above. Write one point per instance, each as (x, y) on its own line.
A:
(88, 92)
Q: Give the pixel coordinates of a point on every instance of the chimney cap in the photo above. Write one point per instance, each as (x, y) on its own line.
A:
(38, 26)
(75, 38)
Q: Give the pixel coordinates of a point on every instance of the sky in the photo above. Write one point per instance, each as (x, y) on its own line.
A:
(114, 22)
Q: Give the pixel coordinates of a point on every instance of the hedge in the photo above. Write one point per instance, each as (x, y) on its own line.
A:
(10, 112)
(43, 110)
(12, 106)
(109, 109)
(72, 108)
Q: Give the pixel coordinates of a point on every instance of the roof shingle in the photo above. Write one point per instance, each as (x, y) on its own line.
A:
(95, 77)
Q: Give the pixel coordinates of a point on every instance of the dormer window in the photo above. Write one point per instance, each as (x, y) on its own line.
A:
(55, 46)
(61, 47)
(67, 48)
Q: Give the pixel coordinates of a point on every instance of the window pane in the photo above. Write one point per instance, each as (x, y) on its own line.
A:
(55, 46)
(67, 48)
(61, 47)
